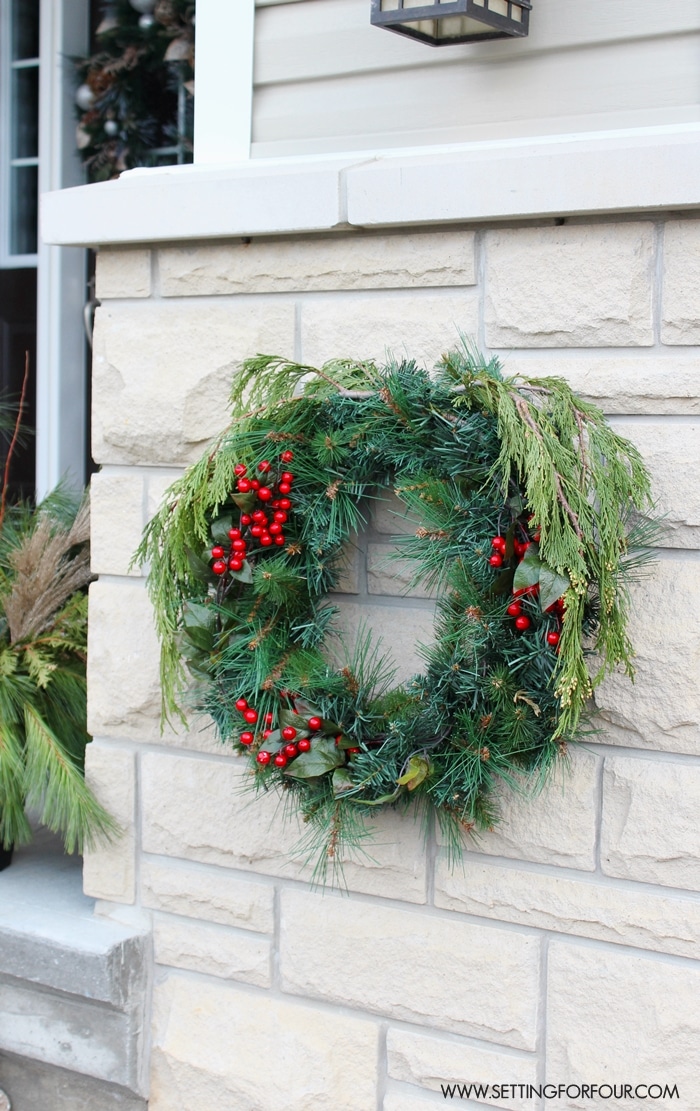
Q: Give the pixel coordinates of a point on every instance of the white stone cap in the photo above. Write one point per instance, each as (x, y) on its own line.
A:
(632, 170)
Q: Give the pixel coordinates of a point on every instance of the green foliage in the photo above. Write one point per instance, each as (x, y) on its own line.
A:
(473, 454)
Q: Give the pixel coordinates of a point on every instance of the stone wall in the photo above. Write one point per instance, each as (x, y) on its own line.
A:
(566, 947)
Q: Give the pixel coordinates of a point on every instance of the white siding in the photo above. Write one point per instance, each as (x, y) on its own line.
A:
(325, 80)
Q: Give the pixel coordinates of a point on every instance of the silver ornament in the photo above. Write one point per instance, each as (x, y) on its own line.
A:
(146, 22)
(84, 97)
(111, 127)
(143, 5)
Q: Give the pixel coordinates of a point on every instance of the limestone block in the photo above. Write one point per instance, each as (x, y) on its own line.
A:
(430, 1061)
(582, 906)
(586, 285)
(157, 485)
(396, 630)
(398, 1100)
(207, 893)
(671, 450)
(391, 517)
(650, 829)
(388, 575)
(442, 258)
(233, 828)
(212, 949)
(349, 577)
(218, 1047)
(109, 870)
(644, 383)
(661, 709)
(162, 373)
(408, 326)
(427, 969)
(116, 522)
(123, 273)
(556, 826)
(680, 313)
(615, 1017)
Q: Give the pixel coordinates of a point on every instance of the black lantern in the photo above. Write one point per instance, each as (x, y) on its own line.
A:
(447, 22)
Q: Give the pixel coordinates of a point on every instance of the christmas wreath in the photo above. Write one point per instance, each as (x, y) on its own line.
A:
(529, 509)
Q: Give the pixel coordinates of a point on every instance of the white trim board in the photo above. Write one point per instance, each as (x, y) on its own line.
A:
(638, 170)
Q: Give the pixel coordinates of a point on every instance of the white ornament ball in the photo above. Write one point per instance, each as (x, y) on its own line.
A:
(111, 127)
(143, 5)
(84, 97)
(146, 22)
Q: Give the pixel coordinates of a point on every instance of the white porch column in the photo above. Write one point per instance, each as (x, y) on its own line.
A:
(223, 107)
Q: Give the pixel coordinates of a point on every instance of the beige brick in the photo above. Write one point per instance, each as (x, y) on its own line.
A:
(109, 869)
(116, 522)
(430, 1061)
(680, 314)
(162, 373)
(207, 893)
(582, 906)
(157, 486)
(123, 273)
(343, 262)
(661, 709)
(556, 826)
(349, 577)
(571, 286)
(432, 970)
(214, 950)
(391, 517)
(219, 1047)
(643, 383)
(616, 1017)
(408, 326)
(389, 575)
(650, 828)
(400, 1101)
(396, 631)
(238, 830)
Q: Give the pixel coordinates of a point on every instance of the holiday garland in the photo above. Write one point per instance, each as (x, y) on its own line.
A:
(527, 503)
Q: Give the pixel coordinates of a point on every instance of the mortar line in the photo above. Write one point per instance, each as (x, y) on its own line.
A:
(156, 288)
(382, 1064)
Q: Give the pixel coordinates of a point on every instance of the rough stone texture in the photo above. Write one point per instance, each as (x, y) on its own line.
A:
(661, 710)
(400, 631)
(116, 522)
(162, 373)
(573, 286)
(35, 1087)
(212, 949)
(680, 321)
(349, 577)
(622, 1018)
(557, 826)
(430, 1061)
(207, 893)
(399, 1100)
(157, 484)
(218, 1047)
(464, 978)
(575, 905)
(387, 575)
(343, 262)
(237, 830)
(650, 827)
(390, 516)
(109, 870)
(123, 273)
(671, 451)
(413, 327)
(648, 382)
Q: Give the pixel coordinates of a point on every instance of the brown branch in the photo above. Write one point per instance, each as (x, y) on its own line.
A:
(524, 411)
(13, 442)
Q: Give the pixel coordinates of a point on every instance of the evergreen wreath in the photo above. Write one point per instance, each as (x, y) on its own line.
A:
(530, 529)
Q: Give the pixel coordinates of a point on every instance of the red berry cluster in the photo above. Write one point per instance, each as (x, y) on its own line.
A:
(263, 526)
(515, 609)
(293, 746)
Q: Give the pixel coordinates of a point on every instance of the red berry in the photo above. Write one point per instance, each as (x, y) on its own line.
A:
(285, 503)
(315, 724)
(290, 751)
(250, 715)
(245, 518)
(275, 528)
(280, 516)
(218, 567)
(496, 560)
(286, 477)
(256, 530)
(264, 466)
(268, 719)
(254, 484)
(280, 760)
(263, 757)
(267, 733)
(264, 493)
(240, 469)
(522, 623)
(289, 733)
(536, 536)
(241, 704)
(234, 534)
(247, 738)
(553, 639)
(217, 552)
(238, 545)
(258, 515)
(304, 744)
(287, 456)
(280, 541)
(266, 540)
(514, 609)
(499, 543)
(243, 485)
(285, 488)
(235, 563)
(352, 751)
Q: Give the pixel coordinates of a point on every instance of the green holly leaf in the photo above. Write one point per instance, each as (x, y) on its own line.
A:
(552, 586)
(504, 583)
(274, 742)
(418, 770)
(245, 502)
(343, 742)
(510, 542)
(288, 717)
(245, 575)
(527, 573)
(342, 781)
(321, 758)
(200, 566)
(197, 615)
(220, 527)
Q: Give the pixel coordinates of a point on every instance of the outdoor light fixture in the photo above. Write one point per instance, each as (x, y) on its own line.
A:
(447, 22)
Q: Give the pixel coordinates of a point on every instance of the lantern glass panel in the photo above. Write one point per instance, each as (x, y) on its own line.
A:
(500, 7)
(390, 5)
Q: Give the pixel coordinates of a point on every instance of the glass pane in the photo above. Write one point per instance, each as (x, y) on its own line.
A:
(24, 210)
(25, 29)
(25, 111)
